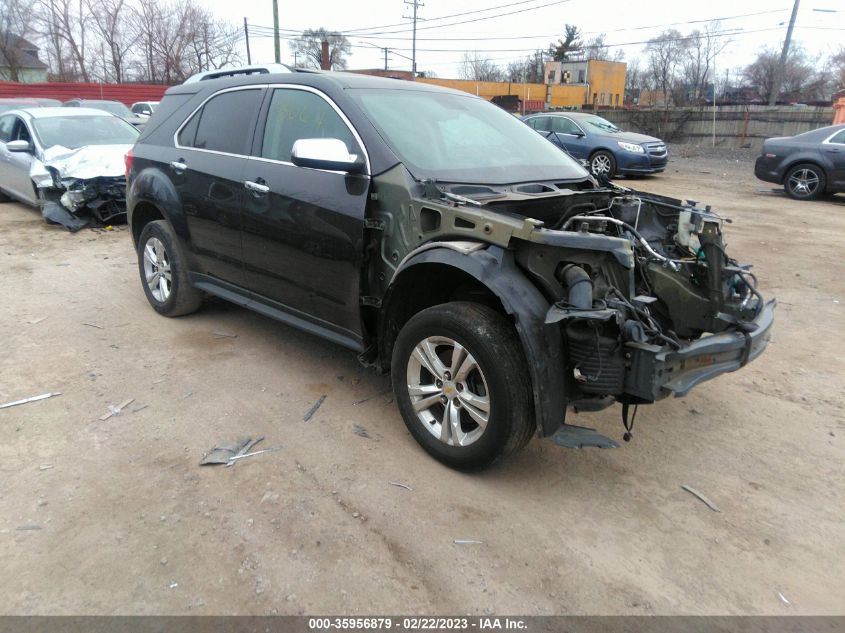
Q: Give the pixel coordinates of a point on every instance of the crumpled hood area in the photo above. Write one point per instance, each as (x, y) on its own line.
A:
(84, 163)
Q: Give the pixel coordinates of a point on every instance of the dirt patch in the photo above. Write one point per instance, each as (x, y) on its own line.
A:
(129, 522)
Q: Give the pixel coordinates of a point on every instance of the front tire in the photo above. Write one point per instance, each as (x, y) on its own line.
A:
(805, 182)
(603, 164)
(164, 274)
(461, 383)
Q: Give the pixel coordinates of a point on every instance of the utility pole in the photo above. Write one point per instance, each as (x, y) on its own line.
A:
(276, 31)
(385, 59)
(416, 4)
(778, 78)
(246, 35)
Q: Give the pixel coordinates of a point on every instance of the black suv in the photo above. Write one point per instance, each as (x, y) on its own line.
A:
(445, 242)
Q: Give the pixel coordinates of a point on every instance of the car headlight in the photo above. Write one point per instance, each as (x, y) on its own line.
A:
(630, 147)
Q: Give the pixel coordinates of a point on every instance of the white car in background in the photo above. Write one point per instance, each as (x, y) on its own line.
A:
(144, 108)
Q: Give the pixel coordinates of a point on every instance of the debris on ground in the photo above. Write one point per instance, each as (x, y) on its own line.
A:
(43, 396)
(368, 398)
(461, 541)
(314, 408)
(36, 321)
(783, 598)
(701, 497)
(400, 485)
(99, 327)
(115, 410)
(229, 453)
(45, 467)
(360, 431)
(29, 526)
(221, 334)
(141, 408)
(571, 436)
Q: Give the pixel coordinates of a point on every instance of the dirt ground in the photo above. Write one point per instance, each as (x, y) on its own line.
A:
(116, 516)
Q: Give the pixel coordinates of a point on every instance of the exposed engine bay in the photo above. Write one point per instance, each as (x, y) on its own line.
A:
(81, 187)
(678, 286)
(646, 297)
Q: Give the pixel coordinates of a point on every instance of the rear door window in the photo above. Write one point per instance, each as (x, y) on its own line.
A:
(298, 114)
(225, 123)
(540, 123)
(562, 125)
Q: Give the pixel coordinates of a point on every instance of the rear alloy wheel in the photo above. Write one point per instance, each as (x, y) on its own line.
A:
(603, 164)
(804, 182)
(163, 272)
(461, 383)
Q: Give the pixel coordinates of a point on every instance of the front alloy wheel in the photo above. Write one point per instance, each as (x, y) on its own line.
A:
(461, 383)
(448, 391)
(602, 164)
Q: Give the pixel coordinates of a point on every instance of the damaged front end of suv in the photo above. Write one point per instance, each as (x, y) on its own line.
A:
(77, 188)
(641, 298)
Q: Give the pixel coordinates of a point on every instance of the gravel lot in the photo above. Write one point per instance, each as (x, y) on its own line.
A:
(116, 516)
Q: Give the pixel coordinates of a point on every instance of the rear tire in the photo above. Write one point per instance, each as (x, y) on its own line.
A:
(805, 182)
(164, 274)
(461, 363)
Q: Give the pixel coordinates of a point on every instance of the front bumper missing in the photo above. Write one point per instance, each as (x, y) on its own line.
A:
(656, 372)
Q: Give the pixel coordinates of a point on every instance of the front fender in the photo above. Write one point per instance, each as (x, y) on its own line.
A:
(495, 267)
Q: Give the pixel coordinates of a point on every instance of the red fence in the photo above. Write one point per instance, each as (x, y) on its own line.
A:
(126, 93)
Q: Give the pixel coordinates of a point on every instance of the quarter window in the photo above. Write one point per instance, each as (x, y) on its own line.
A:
(224, 123)
(298, 114)
(838, 138)
(6, 125)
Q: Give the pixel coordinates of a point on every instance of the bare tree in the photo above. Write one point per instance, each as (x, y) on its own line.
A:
(700, 50)
(597, 49)
(664, 53)
(477, 68)
(112, 20)
(64, 25)
(801, 81)
(309, 46)
(837, 69)
(16, 24)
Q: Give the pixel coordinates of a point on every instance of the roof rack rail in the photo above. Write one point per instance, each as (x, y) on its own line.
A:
(238, 71)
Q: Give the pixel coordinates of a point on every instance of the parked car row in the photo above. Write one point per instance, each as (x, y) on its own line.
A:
(137, 115)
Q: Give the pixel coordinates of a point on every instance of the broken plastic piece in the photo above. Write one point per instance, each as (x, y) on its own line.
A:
(54, 213)
(701, 497)
(223, 453)
(571, 436)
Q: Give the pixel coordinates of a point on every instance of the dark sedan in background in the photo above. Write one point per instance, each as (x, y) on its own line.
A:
(807, 165)
(607, 150)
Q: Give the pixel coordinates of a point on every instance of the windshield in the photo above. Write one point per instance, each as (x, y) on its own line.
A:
(115, 107)
(599, 124)
(77, 131)
(456, 138)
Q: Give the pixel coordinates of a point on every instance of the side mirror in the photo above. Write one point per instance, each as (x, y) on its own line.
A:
(326, 153)
(19, 146)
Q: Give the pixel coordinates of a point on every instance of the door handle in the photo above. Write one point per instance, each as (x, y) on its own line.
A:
(178, 166)
(256, 187)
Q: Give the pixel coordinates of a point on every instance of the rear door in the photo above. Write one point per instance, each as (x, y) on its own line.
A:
(304, 228)
(211, 153)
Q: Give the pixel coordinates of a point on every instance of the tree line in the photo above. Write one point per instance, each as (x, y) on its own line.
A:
(154, 41)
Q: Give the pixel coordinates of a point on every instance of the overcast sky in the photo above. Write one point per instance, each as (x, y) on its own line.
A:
(531, 24)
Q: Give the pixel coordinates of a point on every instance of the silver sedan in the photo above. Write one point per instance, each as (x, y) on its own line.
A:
(25, 136)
